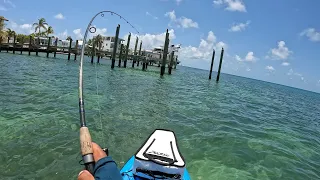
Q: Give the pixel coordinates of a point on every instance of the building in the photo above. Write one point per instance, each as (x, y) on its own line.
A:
(109, 42)
(66, 43)
(157, 53)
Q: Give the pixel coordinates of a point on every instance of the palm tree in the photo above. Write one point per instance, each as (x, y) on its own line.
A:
(41, 24)
(69, 38)
(49, 31)
(98, 40)
(10, 32)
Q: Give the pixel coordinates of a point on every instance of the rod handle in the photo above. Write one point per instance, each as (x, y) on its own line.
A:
(86, 149)
(85, 141)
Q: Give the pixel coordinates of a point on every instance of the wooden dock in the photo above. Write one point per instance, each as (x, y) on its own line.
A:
(51, 49)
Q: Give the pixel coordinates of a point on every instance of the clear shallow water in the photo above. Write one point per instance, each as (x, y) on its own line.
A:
(237, 129)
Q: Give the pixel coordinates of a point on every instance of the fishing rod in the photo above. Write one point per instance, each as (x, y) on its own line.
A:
(85, 137)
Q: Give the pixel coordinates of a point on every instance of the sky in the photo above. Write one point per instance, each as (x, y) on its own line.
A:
(270, 40)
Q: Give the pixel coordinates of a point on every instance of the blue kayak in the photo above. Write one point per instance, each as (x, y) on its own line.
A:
(157, 158)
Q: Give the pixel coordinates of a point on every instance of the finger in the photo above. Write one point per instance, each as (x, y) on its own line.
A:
(85, 175)
(98, 153)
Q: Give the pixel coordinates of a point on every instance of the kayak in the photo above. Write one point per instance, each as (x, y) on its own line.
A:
(157, 158)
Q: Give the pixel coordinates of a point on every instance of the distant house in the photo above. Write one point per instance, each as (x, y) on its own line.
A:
(157, 53)
(109, 43)
(66, 43)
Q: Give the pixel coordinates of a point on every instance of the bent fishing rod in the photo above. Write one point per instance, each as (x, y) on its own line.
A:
(85, 137)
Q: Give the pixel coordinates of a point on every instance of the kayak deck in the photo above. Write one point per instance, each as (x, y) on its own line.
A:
(127, 174)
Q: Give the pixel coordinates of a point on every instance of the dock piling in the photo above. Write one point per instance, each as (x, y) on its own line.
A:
(143, 66)
(170, 63)
(29, 48)
(220, 64)
(115, 47)
(56, 48)
(76, 50)
(120, 56)
(48, 47)
(127, 51)
(213, 54)
(175, 63)
(135, 52)
(69, 51)
(92, 52)
(38, 44)
(8, 44)
(14, 44)
(139, 53)
(165, 52)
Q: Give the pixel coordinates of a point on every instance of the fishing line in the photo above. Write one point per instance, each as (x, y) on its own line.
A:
(85, 137)
(97, 87)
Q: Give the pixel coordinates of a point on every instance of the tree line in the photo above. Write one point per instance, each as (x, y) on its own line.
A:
(41, 29)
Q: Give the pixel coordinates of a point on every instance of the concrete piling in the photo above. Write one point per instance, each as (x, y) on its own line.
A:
(69, 51)
(48, 47)
(115, 47)
(213, 54)
(165, 53)
(127, 51)
(220, 64)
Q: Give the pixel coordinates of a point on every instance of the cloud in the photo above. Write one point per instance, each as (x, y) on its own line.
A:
(20, 28)
(238, 58)
(249, 57)
(149, 14)
(295, 74)
(178, 1)
(150, 41)
(181, 21)
(270, 68)
(204, 50)
(10, 3)
(231, 5)
(312, 34)
(101, 31)
(77, 33)
(2, 8)
(239, 27)
(62, 35)
(285, 64)
(59, 16)
(282, 52)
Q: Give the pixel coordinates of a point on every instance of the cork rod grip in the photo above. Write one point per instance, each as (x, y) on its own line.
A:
(85, 141)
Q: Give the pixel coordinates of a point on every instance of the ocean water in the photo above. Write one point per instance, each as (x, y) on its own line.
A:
(238, 128)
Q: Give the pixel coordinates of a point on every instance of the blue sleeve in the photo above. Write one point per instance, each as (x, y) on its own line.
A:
(106, 169)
